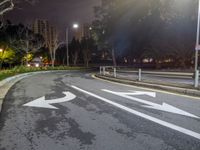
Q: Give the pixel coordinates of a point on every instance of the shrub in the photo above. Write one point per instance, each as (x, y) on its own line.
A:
(22, 69)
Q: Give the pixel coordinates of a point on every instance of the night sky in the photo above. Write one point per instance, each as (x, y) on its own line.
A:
(60, 13)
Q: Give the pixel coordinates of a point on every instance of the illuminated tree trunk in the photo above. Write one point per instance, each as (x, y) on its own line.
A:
(113, 58)
(75, 58)
(52, 55)
(53, 49)
(5, 6)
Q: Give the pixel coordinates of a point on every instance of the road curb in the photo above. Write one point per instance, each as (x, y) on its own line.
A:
(179, 90)
(7, 83)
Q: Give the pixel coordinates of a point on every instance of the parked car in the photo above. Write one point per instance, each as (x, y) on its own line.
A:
(36, 62)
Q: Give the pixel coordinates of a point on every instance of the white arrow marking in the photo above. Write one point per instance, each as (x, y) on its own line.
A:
(152, 94)
(42, 103)
(163, 107)
(153, 119)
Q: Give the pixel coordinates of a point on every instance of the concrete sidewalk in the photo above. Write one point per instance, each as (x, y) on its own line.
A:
(174, 88)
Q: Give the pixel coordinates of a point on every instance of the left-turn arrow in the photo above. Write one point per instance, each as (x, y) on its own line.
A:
(42, 103)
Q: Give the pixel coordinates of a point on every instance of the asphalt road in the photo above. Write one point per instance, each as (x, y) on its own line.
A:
(95, 115)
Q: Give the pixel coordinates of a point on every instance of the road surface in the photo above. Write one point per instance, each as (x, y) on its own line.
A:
(72, 111)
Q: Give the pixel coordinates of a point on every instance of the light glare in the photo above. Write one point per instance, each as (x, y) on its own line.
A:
(75, 26)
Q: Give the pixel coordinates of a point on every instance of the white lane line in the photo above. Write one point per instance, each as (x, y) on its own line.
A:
(146, 88)
(153, 119)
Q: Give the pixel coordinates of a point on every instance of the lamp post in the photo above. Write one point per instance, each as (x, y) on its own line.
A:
(67, 42)
(75, 26)
(196, 82)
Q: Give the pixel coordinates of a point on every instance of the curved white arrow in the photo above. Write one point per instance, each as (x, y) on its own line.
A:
(163, 107)
(42, 103)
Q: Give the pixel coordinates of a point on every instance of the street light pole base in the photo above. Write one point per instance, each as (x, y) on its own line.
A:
(196, 80)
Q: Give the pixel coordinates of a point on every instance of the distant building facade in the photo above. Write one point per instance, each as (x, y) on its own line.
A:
(48, 31)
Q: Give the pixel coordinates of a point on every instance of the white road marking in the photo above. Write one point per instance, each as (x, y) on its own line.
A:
(163, 107)
(146, 88)
(42, 103)
(153, 119)
(133, 93)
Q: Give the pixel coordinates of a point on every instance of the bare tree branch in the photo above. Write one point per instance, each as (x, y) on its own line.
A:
(8, 7)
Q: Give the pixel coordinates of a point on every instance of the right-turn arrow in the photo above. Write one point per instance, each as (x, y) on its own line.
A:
(163, 107)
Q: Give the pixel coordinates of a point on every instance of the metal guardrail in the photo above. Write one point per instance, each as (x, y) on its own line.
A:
(184, 74)
(115, 71)
(158, 72)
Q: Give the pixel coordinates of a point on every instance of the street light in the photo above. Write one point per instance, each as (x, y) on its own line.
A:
(196, 82)
(1, 50)
(75, 26)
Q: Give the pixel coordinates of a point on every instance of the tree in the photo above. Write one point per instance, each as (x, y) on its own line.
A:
(20, 39)
(7, 55)
(61, 54)
(53, 47)
(74, 50)
(103, 27)
(8, 5)
(5, 6)
(132, 28)
(87, 47)
(24, 40)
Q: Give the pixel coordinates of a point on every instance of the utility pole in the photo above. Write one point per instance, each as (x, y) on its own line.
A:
(67, 45)
(196, 82)
(75, 26)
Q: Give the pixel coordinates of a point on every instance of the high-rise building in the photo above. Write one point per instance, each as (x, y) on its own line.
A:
(49, 32)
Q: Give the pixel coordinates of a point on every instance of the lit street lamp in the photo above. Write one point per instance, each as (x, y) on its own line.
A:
(75, 26)
(1, 50)
(196, 82)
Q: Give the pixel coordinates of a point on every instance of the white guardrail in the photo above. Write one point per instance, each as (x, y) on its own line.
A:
(113, 71)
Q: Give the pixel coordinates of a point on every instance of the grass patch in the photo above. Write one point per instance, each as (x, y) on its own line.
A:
(22, 69)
